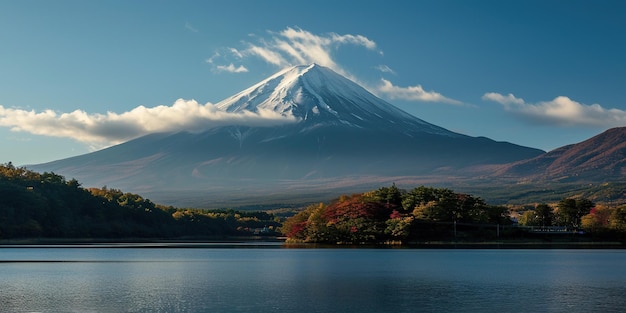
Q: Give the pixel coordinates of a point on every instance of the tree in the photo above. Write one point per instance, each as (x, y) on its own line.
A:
(544, 214)
(317, 228)
(391, 196)
(399, 227)
(419, 196)
(598, 219)
(295, 227)
(529, 218)
(357, 219)
(470, 209)
(426, 210)
(497, 214)
(570, 211)
(618, 218)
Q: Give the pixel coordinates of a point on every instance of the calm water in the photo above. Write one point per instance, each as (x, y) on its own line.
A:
(274, 279)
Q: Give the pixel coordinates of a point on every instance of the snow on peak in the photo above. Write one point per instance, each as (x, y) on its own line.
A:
(316, 92)
(281, 92)
(297, 91)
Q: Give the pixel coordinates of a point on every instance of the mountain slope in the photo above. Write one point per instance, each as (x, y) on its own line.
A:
(318, 96)
(602, 157)
(342, 137)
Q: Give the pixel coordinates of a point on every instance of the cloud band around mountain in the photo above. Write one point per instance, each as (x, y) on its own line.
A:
(101, 130)
(561, 111)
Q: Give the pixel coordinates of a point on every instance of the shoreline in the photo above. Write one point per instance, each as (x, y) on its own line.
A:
(279, 242)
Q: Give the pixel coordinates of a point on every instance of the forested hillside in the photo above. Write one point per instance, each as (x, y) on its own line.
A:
(34, 205)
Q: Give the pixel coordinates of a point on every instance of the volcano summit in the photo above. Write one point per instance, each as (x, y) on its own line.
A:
(336, 137)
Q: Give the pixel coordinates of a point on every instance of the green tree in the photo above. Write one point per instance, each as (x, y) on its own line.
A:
(438, 204)
(618, 218)
(497, 215)
(544, 214)
(529, 218)
(422, 195)
(399, 228)
(570, 211)
(317, 228)
(389, 195)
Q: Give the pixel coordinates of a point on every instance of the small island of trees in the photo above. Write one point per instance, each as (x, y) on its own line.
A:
(427, 214)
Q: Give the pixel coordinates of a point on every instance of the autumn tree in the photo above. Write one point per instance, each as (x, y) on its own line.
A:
(598, 219)
(398, 225)
(618, 218)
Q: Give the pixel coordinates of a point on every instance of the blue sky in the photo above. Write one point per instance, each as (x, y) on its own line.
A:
(76, 76)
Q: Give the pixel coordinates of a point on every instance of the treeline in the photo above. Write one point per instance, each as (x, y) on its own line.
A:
(46, 205)
(602, 221)
(34, 205)
(430, 214)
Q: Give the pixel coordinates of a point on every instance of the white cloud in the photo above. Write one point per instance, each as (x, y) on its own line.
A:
(385, 69)
(101, 130)
(505, 100)
(412, 93)
(213, 57)
(561, 111)
(232, 68)
(295, 46)
(235, 52)
(268, 55)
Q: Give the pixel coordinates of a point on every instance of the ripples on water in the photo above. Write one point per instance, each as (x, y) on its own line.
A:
(271, 279)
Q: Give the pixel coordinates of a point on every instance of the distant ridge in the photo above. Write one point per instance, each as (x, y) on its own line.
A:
(600, 158)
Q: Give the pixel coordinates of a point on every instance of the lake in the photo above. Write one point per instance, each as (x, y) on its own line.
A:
(272, 278)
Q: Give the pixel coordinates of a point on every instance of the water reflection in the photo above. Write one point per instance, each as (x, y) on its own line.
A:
(309, 280)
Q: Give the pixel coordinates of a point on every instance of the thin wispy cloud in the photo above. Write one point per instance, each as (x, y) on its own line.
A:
(502, 99)
(385, 69)
(295, 46)
(561, 111)
(101, 130)
(190, 27)
(413, 93)
(212, 58)
(232, 68)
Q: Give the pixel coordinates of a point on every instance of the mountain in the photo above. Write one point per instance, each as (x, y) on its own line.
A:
(319, 97)
(600, 158)
(338, 138)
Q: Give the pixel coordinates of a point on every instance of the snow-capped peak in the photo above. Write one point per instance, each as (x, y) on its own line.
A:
(281, 92)
(317, 94)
